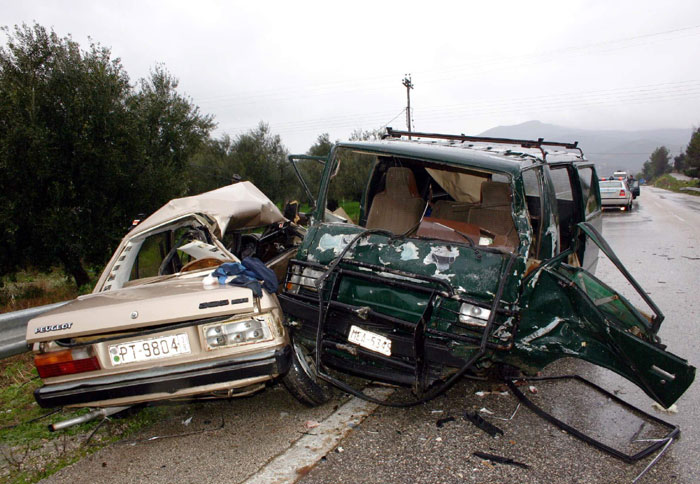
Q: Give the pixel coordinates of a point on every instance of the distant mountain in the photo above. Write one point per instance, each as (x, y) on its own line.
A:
(610, 149)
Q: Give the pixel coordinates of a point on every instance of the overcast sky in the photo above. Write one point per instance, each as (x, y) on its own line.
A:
(312, 67)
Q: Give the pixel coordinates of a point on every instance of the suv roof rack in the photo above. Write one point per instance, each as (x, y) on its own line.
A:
(525, 143)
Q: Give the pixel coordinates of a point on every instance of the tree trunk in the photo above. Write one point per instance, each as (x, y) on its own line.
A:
(75, 268)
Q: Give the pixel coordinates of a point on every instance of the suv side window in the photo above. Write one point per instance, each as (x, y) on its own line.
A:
(566, 208)
(533, 194)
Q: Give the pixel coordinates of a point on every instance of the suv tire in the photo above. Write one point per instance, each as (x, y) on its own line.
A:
(301, 382)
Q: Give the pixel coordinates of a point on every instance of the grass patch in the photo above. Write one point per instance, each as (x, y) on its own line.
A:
(30, 288)
(670, 183)
(352, 209)
(28, 451)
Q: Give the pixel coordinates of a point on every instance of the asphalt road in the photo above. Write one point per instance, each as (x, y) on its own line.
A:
(229, 441)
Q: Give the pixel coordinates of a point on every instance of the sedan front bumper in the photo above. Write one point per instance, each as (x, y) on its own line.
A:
(165, 379)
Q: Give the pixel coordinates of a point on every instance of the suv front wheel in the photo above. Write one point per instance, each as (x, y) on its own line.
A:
(301, 381)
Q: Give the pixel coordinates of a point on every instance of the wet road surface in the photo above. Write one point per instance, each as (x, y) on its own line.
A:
(659, 242)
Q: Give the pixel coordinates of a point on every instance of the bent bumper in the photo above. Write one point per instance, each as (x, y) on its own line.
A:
(165, 379)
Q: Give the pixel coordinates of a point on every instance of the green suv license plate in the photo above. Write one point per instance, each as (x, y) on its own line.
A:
(372, 341)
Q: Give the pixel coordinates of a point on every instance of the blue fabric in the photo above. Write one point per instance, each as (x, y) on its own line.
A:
(264, 273)
(232, 269)
(249, 282)
(250, 272)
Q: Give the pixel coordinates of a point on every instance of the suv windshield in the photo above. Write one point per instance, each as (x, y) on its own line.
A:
(421, 199)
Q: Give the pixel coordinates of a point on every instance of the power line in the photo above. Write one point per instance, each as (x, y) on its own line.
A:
(387, 123)
(623, 95)
(475, 67)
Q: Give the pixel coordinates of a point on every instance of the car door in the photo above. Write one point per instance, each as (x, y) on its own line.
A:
(575, 196)
(568, 312)
(592, 211)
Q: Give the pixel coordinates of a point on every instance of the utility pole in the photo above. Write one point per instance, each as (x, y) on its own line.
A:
(409, 85)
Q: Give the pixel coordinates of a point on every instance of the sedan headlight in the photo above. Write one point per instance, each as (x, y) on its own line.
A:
(234, 333)
(474, 315)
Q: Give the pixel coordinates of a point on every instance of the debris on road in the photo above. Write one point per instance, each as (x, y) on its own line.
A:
(483, 393)
(517, 407)
(672, 409)
(311, 424)
(487, 427)
(441, 422)
(500, 459)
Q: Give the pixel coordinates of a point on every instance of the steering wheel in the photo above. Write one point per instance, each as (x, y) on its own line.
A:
(202, 264)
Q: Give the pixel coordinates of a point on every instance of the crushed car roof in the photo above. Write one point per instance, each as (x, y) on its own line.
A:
(240, 204)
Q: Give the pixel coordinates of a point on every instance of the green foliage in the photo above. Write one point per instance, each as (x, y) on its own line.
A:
(670, 183)
(213, 165)
(657, 164)
(311, 170)
(352, 175)
(679, 162)
(692, 155)
(81, 151)
(263, 159)
(257, 156)
(353, 210)
(171, 132)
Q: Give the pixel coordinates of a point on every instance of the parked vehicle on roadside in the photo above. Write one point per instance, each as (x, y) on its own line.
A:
(159, 326)
(616, 194)
(632, 182)
(470, 255)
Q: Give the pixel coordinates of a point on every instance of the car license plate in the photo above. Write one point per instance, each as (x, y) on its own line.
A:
(149, 349)
(371, 341)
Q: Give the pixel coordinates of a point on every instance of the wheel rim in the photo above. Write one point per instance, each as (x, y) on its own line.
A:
(301, 358)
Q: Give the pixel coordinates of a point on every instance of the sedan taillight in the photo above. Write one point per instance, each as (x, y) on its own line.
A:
(622, 193)
(65, 362)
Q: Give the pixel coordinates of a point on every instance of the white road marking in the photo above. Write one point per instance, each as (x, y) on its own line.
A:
(291, 465)
(682, 220)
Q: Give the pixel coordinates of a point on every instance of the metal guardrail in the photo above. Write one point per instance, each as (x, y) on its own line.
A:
(13, 328)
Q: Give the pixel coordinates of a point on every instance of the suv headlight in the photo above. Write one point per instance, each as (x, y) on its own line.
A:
(474, 315)
(305, 278)
(239, 332)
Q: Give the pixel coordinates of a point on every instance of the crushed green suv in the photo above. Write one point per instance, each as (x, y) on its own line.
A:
(468, 255)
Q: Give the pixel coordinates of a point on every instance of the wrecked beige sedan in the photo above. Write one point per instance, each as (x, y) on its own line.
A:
(159, 326)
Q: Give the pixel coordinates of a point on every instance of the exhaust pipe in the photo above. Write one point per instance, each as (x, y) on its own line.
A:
(100, 412)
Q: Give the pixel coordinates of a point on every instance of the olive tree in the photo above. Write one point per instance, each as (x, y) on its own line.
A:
(81, 150)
